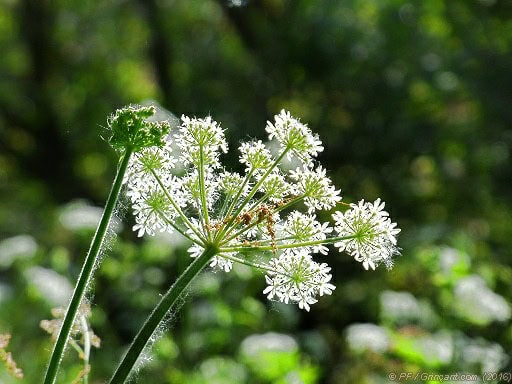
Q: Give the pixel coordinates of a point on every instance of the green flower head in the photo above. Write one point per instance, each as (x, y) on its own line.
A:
(131, 129)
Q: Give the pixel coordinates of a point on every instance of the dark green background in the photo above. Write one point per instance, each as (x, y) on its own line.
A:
(413, 100)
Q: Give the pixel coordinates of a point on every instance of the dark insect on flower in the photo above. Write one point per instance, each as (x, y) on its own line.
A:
(247, 218)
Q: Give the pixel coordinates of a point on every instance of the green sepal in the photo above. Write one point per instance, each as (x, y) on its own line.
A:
(130, 128)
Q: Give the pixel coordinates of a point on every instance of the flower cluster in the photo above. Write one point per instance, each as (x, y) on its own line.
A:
(371, 236)
(296, 277)
(252, 212)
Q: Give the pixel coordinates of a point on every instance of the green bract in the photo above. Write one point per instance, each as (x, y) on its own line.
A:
(131, 130)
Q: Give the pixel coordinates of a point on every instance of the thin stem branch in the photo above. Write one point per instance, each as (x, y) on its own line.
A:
(228, 238)
(177, 208)
(87, 271)
(261, 200)
(249, 263)
(242, 247)
(239, 193)
(159, 312)
(87, 347)
(289, 203)
(246, 227)
(177, 228)
(202, 192)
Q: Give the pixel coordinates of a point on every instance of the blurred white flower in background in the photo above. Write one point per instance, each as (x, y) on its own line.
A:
(491, 357)
(366, 336)
(475, 302)
(53, 287)
(255, 344)
(16, 248)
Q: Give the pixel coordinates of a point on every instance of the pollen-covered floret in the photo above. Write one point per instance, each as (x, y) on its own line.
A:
(371, 236)
(294, 136)
(295, 277)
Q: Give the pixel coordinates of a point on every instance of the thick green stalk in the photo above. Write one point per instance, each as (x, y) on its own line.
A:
(159, 312)
(87, 271)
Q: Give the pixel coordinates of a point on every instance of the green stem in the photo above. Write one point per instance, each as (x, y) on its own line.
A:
(87, 271)
(238, 260)
(159, 312)
(239, 193)
(242, 247)
(202, 193)
(289, 203)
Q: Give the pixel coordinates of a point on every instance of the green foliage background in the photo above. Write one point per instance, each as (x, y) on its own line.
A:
(412, 100)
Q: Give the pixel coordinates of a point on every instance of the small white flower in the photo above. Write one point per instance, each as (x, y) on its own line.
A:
(151, 206)
(149, 160)
(200, 141)
(295, 277)
(221, 263)
(299, 227)
(295, 136)
(373, 235)
(148, 218)
(230, 183)
(255, 156)
(275, 187)
(192, 191)
(316, 187)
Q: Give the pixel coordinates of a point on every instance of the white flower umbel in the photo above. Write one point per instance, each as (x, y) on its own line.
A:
(316, 188)
(295, 277)
(245, 218)
(151, 206)
(372, 235)
(255, 156)
(249, 217)
(200, 141)
(292, 134)
(299, 227)
(149, 160)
